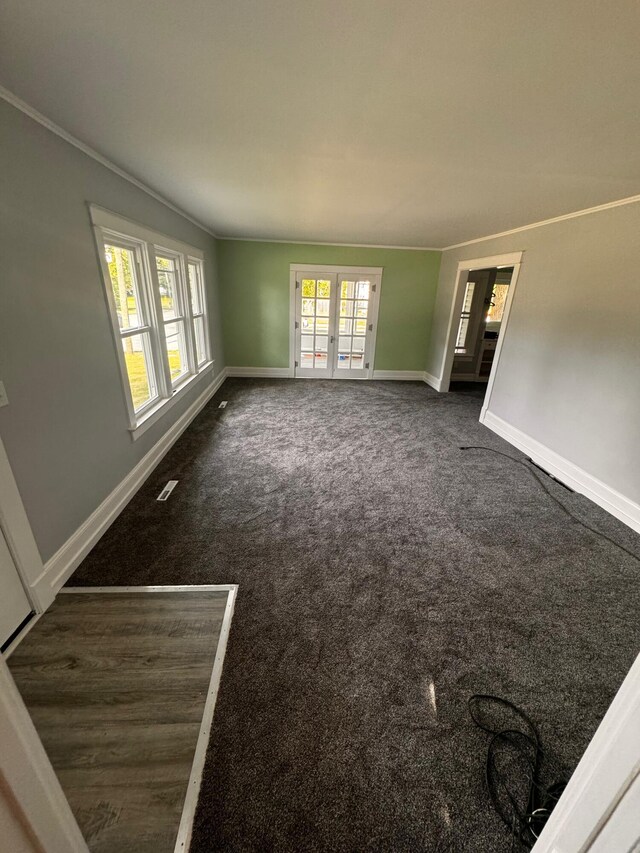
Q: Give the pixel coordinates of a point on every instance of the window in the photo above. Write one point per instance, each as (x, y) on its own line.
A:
(497, 303)
(465, 317)
(156, 295)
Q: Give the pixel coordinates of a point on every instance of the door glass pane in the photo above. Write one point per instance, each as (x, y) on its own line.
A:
(344, 343)
(195, 287)
(362, 290)
(357, 345)
(314, 323)
(356, 361)
(122, 272)
(345, 326)
(137, 357)
(201, 341)
(167, 282)
(346, 308)
(344, 361)
(360, 327)
(176, 350)
(346, 289)
(361, 309)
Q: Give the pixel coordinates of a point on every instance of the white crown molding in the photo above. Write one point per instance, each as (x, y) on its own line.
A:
(30, 111)
(34, 114)
(317, 243)
(632, 199)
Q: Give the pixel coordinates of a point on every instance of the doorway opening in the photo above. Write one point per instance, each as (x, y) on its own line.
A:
(480, 310)
(334, 317)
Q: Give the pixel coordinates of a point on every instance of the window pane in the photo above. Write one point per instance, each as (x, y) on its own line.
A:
(309, 287)
(122, 272)
(324, 288)
(498, 301)
(344, 361)
(322, 307)
(307, 324)
(468, 296)
(462, 333)
(306, 342)
(137, 356)
(201, 340)
(195, 286)
(361, 309)
(176, 350)
(346, 289)
(345, 326)
(357, 345)
(363, 290)
(167, 281)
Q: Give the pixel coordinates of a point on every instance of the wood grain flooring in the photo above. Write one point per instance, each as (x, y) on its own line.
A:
(116, 684)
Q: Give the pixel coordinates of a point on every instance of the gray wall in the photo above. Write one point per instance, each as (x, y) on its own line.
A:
(569, 373)
(65, 430)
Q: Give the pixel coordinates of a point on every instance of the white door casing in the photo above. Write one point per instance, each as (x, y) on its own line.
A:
(334, 316)
(14, 604)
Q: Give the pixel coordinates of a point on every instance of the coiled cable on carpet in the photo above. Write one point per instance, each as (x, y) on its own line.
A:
(553, 497)
(526, 810)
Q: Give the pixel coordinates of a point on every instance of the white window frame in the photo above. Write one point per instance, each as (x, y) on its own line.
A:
(147, 246)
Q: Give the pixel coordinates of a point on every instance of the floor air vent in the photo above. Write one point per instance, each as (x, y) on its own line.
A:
(164, 494)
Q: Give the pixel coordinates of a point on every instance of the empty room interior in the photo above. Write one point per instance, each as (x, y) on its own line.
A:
(319, 426)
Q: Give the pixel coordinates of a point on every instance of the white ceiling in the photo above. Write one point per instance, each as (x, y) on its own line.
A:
(407, 122)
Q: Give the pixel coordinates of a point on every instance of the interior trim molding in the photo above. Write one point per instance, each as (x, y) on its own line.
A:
(63, 563)
(30, 111)
(260, 372)
(615, 503)
(346, 245)
(400, 375)
(432, 380)
(587, 210)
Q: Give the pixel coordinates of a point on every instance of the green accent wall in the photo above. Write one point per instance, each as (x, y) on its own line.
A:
(254, 290)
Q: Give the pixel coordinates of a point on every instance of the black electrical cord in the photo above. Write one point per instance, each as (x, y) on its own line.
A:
(553, 497)
(524, 815)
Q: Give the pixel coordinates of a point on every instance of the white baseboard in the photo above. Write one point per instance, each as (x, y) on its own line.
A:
(261, 372)
(432, 380)
(399, 375)
(576, 478)
(61, 566)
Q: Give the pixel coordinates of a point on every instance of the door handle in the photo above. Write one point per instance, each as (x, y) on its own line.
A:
(332, 339)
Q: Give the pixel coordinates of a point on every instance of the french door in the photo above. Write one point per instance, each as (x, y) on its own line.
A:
(335, 322)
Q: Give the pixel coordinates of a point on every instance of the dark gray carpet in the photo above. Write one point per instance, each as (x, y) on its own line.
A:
(375, 559)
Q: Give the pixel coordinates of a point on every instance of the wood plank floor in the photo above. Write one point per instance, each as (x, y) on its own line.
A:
(116, 684)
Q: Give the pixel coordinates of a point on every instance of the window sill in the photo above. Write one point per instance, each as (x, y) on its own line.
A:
(153, 415)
